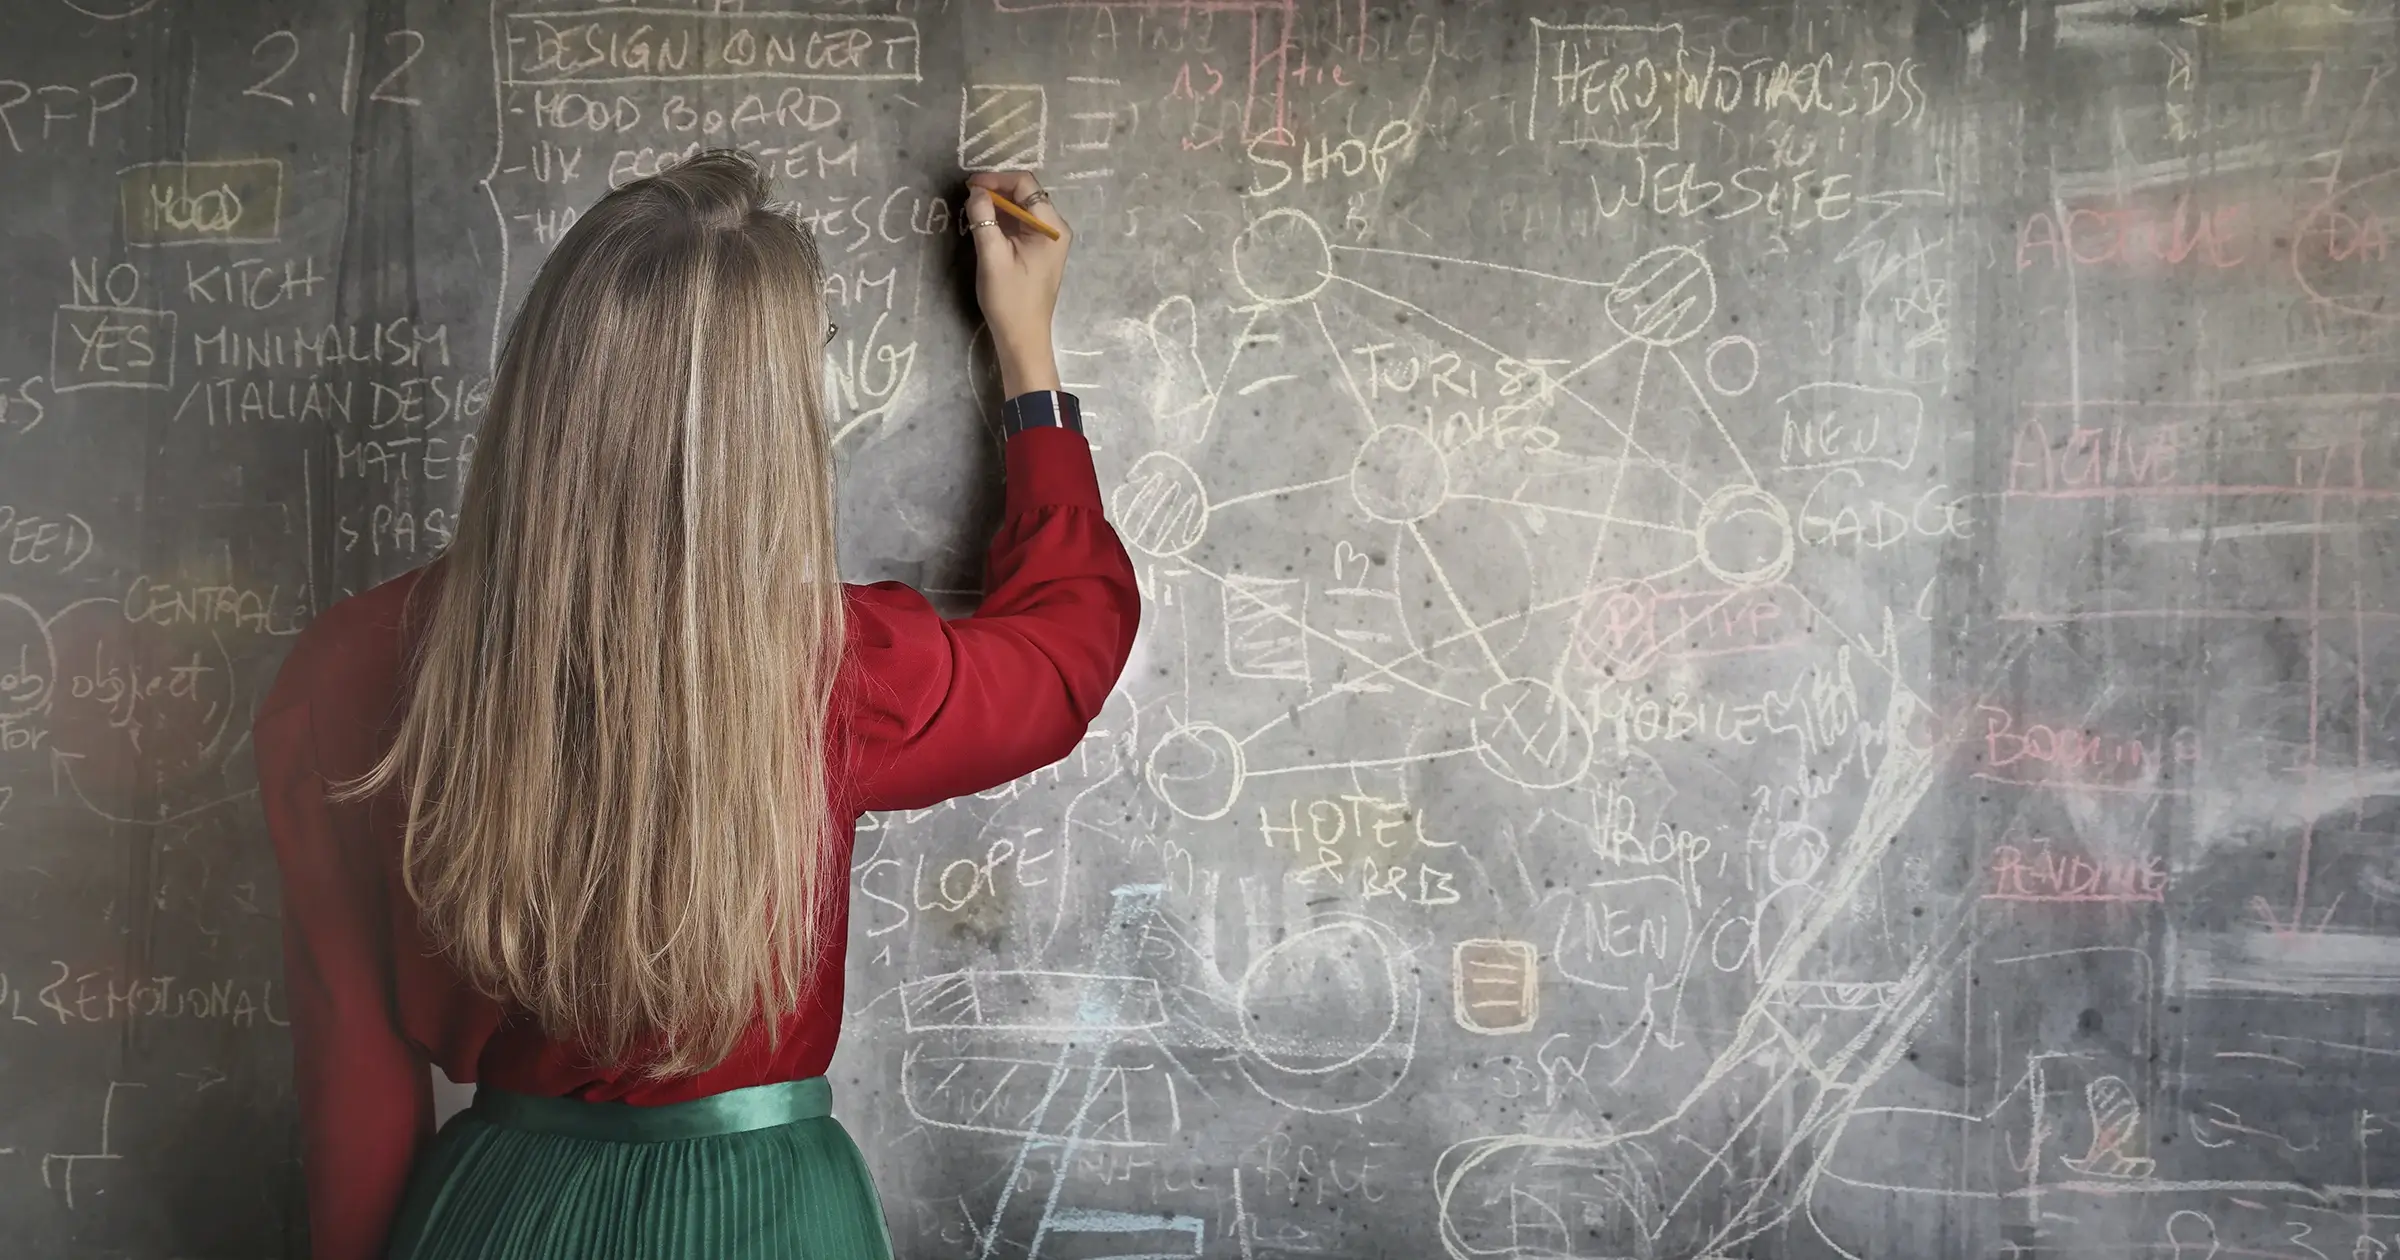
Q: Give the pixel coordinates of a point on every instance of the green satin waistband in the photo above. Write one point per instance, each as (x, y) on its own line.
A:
(734, 1111)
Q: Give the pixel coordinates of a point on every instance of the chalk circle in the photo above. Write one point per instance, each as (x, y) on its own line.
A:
(1197, 770)
(1400, 475)
(1728, 358)
(1745, 536)
(1796, 854)
(1161, 505)
(2320, 239)
(1668, 295)
(1481, 1185)
(1282, 257)
(1528, 734)
(1324, 1014)
(2186, 1241)
(28, 660)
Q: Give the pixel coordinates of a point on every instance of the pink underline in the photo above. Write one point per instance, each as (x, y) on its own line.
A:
(2064, 786)
(1770, 590)
(2200, 614)
(2082, 898)
(1147, 6)
(2223, 404)
(2201, 492)
(1695, 654)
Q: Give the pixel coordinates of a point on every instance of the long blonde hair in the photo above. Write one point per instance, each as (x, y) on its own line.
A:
(614, 749)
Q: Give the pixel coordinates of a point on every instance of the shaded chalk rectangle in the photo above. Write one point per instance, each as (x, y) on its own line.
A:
(2305, 965)
(1100, 1234)
(1106, 1105)
(1002, 126)
(1032, 1003)
(233, 201)
(1495, 986)
(1264, 627)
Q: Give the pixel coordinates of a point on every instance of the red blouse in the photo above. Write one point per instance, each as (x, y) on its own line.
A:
(928, 709)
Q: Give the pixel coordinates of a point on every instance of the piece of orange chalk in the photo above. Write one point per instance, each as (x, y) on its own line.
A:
(1023, 215)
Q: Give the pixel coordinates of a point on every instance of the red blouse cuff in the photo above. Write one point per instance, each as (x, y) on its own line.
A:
(1051, 467)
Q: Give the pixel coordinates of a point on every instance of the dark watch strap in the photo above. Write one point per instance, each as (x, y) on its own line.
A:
(1041, 409)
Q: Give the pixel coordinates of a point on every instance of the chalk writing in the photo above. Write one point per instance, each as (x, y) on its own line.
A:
(2043, 873)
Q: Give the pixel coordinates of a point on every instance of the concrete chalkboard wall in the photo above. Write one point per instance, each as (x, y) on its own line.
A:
(1770, 629)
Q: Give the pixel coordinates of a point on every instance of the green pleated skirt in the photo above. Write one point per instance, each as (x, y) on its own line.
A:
(764, 1173)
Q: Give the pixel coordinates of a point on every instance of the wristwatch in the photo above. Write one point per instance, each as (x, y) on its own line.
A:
(1041, 409)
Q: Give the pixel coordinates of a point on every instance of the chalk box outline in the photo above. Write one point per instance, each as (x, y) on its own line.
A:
(1672, 113)
(274, 221)
(157, 318)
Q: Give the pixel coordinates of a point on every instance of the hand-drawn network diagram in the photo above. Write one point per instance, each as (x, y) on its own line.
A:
(1496, 566)
(1651, 522)
(1521, 551)
(1518, 836)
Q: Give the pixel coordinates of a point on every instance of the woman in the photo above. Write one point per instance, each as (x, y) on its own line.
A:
(568, 812)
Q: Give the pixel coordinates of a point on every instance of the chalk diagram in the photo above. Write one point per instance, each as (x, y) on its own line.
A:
(1526, 571)
(1514, 580)
(1520, 725)
(1066, 1066)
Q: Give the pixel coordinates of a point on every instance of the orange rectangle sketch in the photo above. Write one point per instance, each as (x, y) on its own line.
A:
(1494, 987)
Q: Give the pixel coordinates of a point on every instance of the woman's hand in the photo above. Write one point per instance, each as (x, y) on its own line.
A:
(1017, 273)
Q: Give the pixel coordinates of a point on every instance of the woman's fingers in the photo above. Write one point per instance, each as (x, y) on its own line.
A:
(1019, 187)
(1047, 211)
(979, 205)
(982, 221)
(1022, 187)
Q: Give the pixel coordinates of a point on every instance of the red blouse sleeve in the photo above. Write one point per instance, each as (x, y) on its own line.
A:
(366, 1096)
(943, 708)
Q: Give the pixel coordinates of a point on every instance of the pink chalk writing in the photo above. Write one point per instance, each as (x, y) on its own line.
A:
(2089, 236)
(2038, 752)
(2188, 235)
(2087, 457)
(2044, 873)
(1630, 630)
